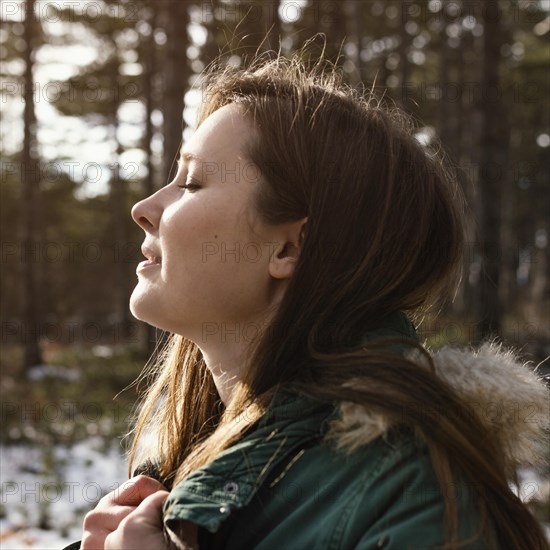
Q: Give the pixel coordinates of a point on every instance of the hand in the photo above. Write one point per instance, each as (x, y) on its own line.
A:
(128, 518)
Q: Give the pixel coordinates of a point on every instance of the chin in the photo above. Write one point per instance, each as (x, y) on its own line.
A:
(146, 309)
(138, 306)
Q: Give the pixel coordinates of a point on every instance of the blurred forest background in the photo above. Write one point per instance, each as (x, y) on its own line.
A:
(92, 97)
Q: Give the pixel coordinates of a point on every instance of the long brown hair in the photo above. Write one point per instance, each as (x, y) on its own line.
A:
(384, 233)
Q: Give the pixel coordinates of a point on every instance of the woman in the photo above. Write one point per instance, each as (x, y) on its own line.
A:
(294, 406)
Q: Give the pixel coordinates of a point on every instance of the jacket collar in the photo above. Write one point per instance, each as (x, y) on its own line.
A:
(208, 495)
(394, 324)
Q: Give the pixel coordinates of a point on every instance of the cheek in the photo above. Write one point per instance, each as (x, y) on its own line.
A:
(191, 241)
(209, 246)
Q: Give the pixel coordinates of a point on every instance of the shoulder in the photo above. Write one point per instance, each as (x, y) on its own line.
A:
(507, 397)
(383, 495)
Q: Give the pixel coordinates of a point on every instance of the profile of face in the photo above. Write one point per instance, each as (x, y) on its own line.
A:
(211, 262)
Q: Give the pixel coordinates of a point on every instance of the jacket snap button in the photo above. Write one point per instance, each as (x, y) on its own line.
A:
(224, 510)
(231, 487)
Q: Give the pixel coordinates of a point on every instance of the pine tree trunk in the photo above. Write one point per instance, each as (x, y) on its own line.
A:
(353, 23)
(211, 49)
(176, 73)
(272, 25)
(404, 63)
(30, 207)
(492, 171)
(445, 130)
(149, 182)
(119, 213)
(148, 89)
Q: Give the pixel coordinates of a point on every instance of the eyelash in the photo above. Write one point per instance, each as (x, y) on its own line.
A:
(189, 186)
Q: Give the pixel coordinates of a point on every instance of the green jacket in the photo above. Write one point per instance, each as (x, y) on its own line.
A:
(370, 485)
(283, 487)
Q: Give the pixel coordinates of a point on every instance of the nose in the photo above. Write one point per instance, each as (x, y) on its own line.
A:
(146, 213)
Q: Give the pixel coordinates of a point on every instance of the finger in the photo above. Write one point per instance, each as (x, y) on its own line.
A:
(142, 528)
(135, 490)
(150, 510)
(100, 522)
(148, 514)
(150, 517)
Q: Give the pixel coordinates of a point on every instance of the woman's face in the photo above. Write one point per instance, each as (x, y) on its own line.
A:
(207, 271)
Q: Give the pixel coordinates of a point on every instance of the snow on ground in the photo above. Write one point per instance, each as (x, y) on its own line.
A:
(45, 493)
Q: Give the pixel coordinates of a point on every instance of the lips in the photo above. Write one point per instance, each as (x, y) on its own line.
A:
(151, 255)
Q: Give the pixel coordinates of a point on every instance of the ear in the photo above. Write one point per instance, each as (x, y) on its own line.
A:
(283, 259)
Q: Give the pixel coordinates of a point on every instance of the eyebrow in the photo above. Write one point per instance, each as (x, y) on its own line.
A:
(189, 157)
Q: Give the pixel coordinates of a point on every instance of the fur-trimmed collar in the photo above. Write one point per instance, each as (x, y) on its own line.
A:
(508, 396)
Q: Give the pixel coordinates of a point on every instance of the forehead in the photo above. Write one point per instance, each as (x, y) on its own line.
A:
(221, 137)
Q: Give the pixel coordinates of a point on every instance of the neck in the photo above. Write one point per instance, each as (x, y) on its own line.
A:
(225, 362)
(225, 347)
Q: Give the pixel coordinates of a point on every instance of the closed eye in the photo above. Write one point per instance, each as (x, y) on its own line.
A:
(191, 186)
